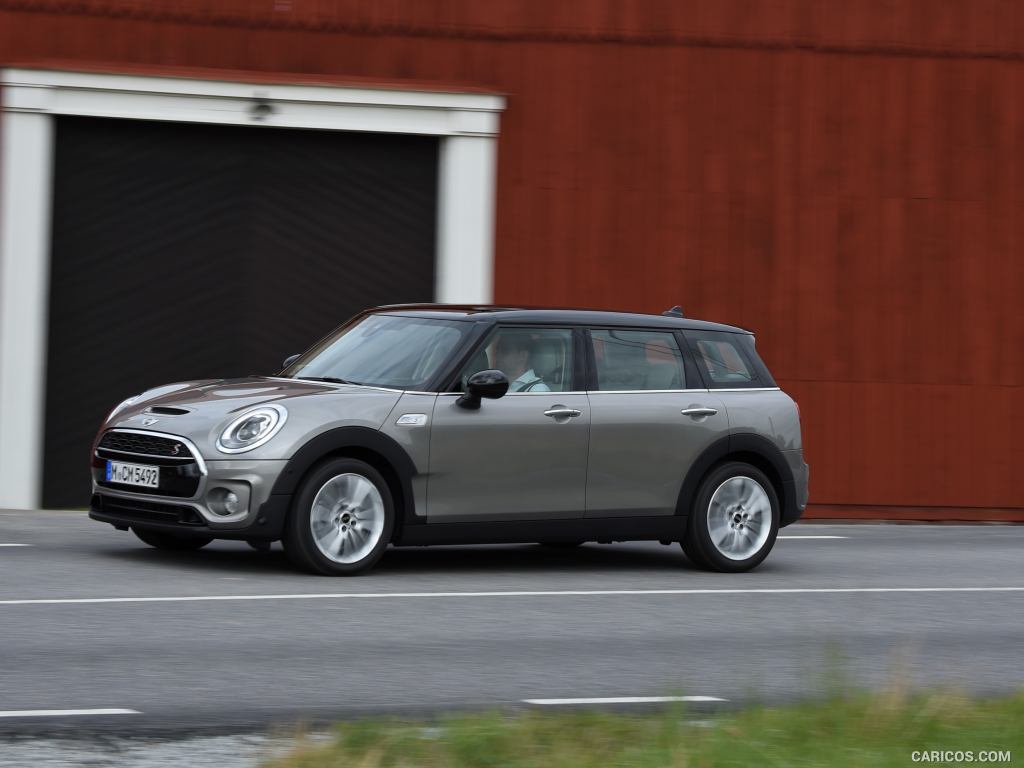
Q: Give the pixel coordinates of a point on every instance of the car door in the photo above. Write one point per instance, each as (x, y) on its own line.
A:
(651, 418)
(522, 456)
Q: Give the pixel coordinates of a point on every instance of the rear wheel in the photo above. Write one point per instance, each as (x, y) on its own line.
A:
(341, 520)
(734, 521)
(171, 541)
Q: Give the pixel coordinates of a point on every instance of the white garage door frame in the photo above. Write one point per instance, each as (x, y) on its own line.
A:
(466, 123)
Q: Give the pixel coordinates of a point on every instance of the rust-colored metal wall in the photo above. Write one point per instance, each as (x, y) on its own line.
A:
(845, 178)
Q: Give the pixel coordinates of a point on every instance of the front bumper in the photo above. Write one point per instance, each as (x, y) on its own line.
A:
(188, 483)
(251, 481)
(173, 516)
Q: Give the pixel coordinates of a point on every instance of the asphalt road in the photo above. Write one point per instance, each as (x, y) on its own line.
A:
(621, 620)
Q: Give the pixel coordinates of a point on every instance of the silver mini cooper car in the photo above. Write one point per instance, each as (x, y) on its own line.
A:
(441, 424)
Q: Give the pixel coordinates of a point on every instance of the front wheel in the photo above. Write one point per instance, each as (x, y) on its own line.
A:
(734, 521)
(341, 520)
(170, 541)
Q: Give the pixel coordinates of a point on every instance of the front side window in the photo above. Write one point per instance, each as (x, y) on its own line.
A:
(637, 360)
(533, 359)
(391, 351)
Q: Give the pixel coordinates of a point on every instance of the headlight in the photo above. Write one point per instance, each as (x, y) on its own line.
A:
(252, 429)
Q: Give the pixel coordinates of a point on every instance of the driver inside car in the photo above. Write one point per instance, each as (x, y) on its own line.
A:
(512, 357)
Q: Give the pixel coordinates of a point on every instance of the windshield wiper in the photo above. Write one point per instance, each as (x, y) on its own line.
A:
(332, 379)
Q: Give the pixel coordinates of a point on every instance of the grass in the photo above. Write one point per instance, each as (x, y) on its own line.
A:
(838, 731)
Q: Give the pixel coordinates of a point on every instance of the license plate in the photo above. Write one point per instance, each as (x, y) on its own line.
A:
(133, 474)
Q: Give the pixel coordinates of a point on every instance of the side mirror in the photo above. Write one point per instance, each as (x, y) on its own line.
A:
(489, 384)
(289, 360)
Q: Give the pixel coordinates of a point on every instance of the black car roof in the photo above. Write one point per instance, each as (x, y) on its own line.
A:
(546, 315)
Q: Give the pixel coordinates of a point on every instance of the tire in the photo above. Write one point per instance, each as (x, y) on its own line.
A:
(320, 535)
(718, 537)
(170, 541)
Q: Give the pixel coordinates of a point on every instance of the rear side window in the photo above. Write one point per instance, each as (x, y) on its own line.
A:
(728, 360)
(637, 360)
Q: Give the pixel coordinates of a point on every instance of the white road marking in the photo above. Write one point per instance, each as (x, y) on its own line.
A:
(623, 700)
(813, 537)
(65, 712)
(544, 593)
(15, 545)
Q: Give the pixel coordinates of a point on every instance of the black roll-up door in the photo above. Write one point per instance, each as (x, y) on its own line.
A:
(185, 251)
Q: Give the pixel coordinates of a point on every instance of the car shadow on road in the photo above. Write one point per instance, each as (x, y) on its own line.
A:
(232, 559)
(532, 558)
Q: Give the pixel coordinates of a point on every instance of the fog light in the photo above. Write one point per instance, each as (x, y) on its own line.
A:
(223, 502)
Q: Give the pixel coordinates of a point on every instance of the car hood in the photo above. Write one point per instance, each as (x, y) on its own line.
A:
(200, 410)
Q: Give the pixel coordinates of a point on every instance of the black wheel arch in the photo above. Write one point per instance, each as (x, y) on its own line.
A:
(363, 443)
(750, 448)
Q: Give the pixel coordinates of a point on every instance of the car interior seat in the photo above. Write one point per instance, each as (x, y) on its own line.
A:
(663, 366)
(626, 365)
(545, 360)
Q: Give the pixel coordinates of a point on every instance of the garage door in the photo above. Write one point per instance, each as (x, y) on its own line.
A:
(188, 251)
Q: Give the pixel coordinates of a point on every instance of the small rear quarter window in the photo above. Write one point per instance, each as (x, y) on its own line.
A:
(728, 360)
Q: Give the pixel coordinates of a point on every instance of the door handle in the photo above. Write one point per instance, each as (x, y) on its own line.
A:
(697, 412)
(561, 412)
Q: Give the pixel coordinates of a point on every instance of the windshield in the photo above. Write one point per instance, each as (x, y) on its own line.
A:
(382, 351)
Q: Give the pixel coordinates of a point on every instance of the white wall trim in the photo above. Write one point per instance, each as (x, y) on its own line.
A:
(466, 123)
(465, 219)
(332, 107)
(25, 201)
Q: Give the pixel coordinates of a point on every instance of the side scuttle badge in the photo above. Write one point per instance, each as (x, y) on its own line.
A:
(412, 420)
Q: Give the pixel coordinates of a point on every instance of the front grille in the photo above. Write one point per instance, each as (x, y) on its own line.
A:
(180, 470)
(145, 445)
(146, 511)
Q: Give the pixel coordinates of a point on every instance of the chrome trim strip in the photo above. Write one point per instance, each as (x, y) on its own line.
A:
(552, 393)
(605, 392)
(647, 391)
(629, 392)
(518, 394)
(188, 444)
(749, 389)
